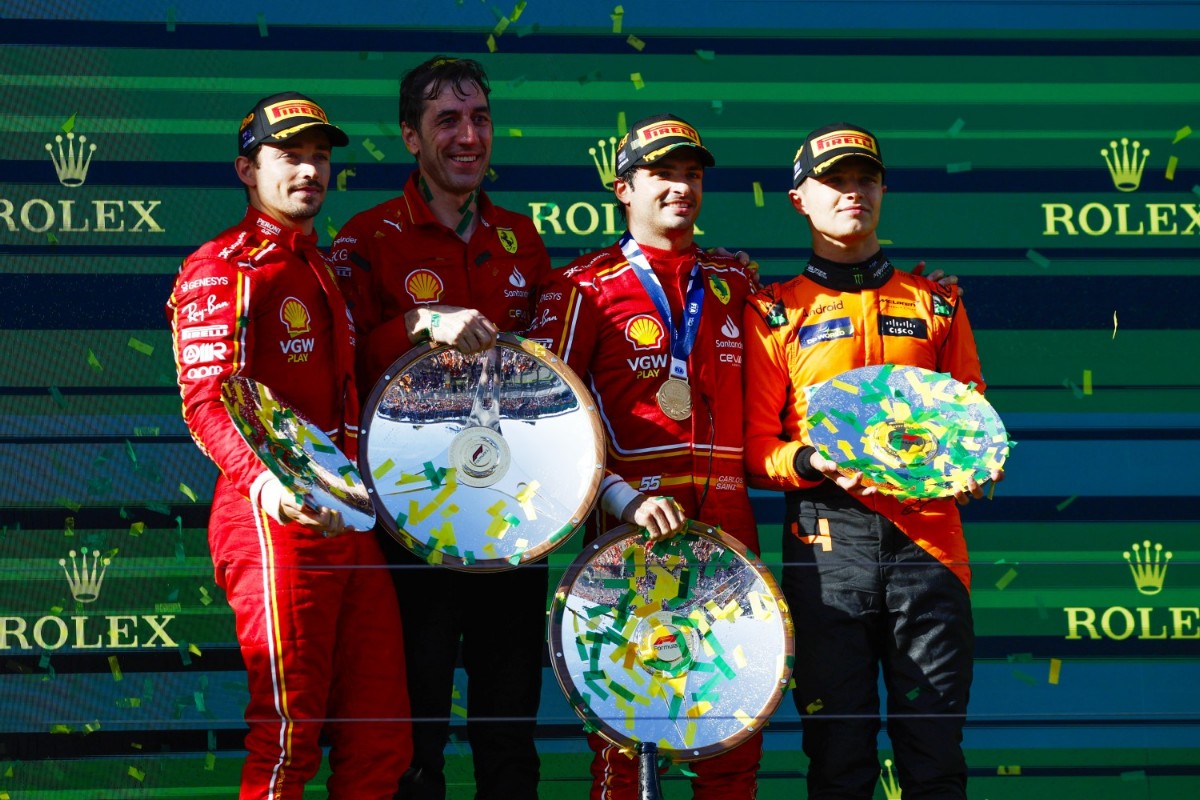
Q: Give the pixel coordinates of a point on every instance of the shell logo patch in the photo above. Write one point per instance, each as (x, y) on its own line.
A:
(644, 332)
(423, 286)
(295, 317)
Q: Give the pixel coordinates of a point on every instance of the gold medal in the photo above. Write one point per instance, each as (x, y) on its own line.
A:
(675, 399)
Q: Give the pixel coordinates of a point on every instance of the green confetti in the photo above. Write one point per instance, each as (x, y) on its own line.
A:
(94, 362)
(262, 26)
(958, 166)
(957, 127)
(1038, 258)
(140, 346)
(69, 125)
(706, 55)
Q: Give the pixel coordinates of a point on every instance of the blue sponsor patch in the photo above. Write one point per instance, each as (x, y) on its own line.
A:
(826, 331)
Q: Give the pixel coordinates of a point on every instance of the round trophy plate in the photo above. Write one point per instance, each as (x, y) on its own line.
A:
(297, 452)
(481, 462)
(686, 644)
(911, 432)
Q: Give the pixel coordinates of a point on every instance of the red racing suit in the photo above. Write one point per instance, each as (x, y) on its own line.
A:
(596, 316)
(389, 260)
(871, 580)
(396, 256)
(318, 627)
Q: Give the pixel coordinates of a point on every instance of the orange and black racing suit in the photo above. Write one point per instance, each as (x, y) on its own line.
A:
(875, 580)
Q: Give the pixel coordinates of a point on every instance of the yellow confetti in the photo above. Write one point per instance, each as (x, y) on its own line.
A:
(137, 774)
(1055, 670)
(518, 9)
(1087, 381)
(1172, 163)
(342, 176)
(210, 762)
(744, 718)
(845, 387)
(375, 152)
(1013, 770)
(1180, 134)
(617, 15)
(1114, 323)
(141, 347)
(69, 125)
(622, 127)
(635, 43)
(115, 668)
(815, 706)
(137, 528)
(94, 362)
(491, 43)
(739, 657)
(187, 490)
(1006, 579)
(638, 83)
(194, 650)
(516, 133)
(758, 194)
(59, 728)
(501, 27)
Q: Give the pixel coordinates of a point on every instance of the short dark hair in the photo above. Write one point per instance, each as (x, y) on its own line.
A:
(627, 177)
(253, 155)
(424, 82)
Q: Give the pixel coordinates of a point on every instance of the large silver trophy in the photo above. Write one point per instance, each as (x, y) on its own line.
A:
(297, 452)
(683, 648)
(481, 462)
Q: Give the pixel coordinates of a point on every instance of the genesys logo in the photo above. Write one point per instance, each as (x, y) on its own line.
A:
(1148, 564)
(1125, 160)
(75, 211)
(85, 574)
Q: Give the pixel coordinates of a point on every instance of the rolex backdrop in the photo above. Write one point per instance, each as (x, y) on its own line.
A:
(1047, 153)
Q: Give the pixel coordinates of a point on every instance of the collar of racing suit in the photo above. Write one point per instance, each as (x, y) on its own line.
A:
(869, 274)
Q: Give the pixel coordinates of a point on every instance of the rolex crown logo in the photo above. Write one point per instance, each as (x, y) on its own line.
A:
(1148, 565)
(1124, 165)
(85, 579)
(887, 778)
(71, 166)
(605, 160)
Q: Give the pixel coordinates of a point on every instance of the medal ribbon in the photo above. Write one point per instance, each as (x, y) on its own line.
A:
(683, 336)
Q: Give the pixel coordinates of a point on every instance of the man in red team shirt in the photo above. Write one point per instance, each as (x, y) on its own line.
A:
(441, 263)
(652, 324)
(316, 618)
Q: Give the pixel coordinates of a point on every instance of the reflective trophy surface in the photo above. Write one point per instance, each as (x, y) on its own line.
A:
(484, 461)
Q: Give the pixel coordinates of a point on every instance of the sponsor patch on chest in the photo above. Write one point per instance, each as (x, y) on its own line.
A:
(910, 327)
(826, 331)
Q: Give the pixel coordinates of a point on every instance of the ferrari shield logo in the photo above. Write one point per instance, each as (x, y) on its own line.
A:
(508, 239)
(720, 288)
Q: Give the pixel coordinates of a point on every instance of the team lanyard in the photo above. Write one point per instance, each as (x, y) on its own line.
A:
(683, 337)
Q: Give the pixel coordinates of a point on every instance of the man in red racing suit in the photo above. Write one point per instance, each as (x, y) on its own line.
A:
(870, 579)
(316, 617)
(610, 316)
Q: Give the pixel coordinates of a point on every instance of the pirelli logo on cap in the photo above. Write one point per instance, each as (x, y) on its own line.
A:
(291, 108)
(648, 135)
(836, 139)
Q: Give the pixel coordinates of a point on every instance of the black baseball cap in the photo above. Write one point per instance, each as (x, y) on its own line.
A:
(829, 144)
(280, 117)
(653, 137)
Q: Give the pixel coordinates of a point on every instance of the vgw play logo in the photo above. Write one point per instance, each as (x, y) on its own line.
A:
(71, 156)
(85, 577)
(1148, 566)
